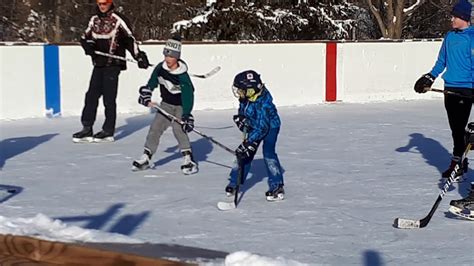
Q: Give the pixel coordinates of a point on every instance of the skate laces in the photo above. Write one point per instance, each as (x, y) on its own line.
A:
(144, 158)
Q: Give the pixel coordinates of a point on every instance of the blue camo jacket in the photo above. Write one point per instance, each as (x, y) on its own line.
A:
(456, 55)
(261, 116)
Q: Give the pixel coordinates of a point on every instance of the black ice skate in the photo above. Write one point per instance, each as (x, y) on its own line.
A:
(464, 207)
(275, 194)
(189, 166)
(83, 136)
(463, 169)
(103, 136)
(143, 163)
(230, 190)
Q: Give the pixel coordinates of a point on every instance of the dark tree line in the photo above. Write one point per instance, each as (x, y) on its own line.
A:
(232, 20)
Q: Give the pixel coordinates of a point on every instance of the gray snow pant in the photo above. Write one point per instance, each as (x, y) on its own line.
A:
(161, 123)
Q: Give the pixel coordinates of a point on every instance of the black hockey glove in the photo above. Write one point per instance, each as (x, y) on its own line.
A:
(424, 82)
(88, 46)
(246, 150)
(240, 121)
(188, 123)
(142, 60)
(145, 95)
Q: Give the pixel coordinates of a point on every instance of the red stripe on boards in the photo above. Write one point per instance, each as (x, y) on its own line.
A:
(331, 69)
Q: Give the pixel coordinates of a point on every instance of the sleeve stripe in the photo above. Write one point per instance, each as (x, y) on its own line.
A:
(128, 31)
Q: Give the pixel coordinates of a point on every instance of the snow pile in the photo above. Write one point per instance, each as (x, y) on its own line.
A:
(44, 227)
(243, 258)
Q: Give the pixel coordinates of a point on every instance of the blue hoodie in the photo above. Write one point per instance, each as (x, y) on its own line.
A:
(457, 56)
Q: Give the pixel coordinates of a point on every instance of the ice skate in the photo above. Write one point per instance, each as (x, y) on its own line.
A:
(276, 193)
(83, 136)
(143, 163)
(230, 190)
(463, 169)
(103, 136)
(464, 207)
(189, 167)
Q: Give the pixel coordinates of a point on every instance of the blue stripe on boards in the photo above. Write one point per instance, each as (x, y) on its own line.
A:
(51, 80)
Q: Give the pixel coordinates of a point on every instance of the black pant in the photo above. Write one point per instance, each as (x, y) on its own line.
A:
(458, 109)
(104, 82)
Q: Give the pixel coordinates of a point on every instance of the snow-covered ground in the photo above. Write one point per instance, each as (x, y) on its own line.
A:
(350, 170)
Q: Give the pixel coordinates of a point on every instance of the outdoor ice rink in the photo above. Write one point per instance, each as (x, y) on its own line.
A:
(350, 170)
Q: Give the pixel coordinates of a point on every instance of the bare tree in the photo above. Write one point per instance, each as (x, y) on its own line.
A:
(392, 14)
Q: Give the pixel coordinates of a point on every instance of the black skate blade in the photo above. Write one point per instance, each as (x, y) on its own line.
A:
(462, 213)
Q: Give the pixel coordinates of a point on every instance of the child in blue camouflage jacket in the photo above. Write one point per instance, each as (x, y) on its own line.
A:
(258, 118)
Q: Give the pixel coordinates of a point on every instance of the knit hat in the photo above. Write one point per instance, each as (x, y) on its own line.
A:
(173, 47)
(107, 1)
(462, 10)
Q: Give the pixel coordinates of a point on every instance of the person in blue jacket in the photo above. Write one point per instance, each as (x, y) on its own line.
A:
(258, 118)
(456, 57)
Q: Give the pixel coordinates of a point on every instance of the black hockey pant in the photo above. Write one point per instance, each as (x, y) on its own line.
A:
(458, 110)
(104, 82)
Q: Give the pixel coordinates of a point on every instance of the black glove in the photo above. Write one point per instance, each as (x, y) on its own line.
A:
(88, 46)
(240, 121)
(246, 150)
(424, 82)
(89, 50)
(188, 123)
(142, 60)
(145, 95)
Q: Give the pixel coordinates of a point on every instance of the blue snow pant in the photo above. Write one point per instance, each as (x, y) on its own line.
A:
(272, 163)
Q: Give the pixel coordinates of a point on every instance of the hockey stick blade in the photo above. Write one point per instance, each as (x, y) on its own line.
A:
(406, 224)
(226, 206)
(411, 224)
(208, 74)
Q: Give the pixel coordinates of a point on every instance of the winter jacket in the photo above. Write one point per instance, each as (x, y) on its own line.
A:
(457, 57)
(109, 33)
(176, 87)
(261, 116)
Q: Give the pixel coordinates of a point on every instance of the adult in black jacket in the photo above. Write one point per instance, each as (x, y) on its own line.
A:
(108, 32)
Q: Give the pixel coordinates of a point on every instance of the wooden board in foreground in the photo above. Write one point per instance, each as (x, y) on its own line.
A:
(25, 251)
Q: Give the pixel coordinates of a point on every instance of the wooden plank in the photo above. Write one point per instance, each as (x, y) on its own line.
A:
(58, 253)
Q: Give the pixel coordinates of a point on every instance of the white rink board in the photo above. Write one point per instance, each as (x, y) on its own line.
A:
(21, 82)
(295, 73)
(384, 71)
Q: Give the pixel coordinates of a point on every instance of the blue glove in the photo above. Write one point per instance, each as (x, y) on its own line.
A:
(424, 82)
(188, 123)
(145, 95)
(246, 150)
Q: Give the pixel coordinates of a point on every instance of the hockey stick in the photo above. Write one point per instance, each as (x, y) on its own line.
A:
(411, 224)
(449, 92)
(225, 205)
(175, 119)
(202, 76)
(240, 179)
(117, 57)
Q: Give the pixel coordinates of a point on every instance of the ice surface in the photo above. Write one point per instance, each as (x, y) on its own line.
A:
(350, 170)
